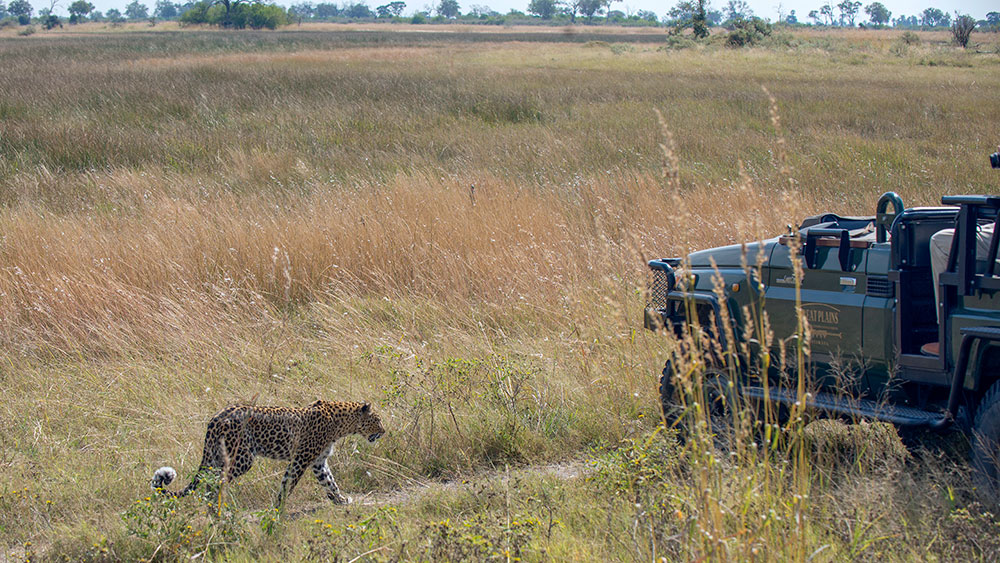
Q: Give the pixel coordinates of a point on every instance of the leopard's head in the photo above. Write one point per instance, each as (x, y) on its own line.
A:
(369, 423)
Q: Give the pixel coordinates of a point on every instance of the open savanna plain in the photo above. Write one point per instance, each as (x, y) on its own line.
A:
(451, 224)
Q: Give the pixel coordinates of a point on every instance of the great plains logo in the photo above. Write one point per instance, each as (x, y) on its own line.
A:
(821, 314)
(823, 319)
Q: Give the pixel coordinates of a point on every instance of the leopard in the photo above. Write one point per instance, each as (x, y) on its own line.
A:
(303, 436)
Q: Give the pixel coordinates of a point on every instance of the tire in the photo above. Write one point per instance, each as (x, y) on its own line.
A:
(717, 399)
(668, 398)
(986, 446)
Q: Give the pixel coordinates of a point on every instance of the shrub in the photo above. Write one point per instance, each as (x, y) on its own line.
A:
(910, 38)
(181, 527)
(260, 16)
(30, 30)
(899, 49)
(241, 16)
(748, 32)
(677, 42)
(961, 30)
(267, 16)
(196, 15)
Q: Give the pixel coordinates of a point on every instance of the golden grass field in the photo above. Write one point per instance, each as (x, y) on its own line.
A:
(452, 225)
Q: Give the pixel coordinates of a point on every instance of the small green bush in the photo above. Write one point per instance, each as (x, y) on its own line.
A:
(677, 43)
(910, 38)
(748, 32)
(178, 528)
(263, 16)
(197, 14)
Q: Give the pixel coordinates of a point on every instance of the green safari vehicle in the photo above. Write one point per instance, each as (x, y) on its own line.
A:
(867, 291)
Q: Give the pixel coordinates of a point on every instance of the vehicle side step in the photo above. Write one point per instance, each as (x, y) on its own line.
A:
(835, 405)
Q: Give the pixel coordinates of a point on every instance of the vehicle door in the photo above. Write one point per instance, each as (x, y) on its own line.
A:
(832, 297)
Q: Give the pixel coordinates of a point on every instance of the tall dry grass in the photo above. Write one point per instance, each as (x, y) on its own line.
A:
(158, 183)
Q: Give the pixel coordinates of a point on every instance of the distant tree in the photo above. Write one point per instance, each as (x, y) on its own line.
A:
(262, 16)
(482, 12)
(78, 10)
(588, 8)
(878, 14)
(961, 30)
(792, 19)
(358, 11)
(848, 11)
(230, 9)
(3, 10)
(52, 21)
(114, 16)
(44, 13)
(827, 11)
(326, 10)
(814, 15)
(647, 15)
(166, 10)
(302, 11)
(448, 9)
(136, 11)
(699, 21)
(690, 13)
(391, 10)
(193, 14)
(544, 9)
(993, 19)
(933, 17)
(606, 6)
(737, 10)
(396, 8)
(20, 9)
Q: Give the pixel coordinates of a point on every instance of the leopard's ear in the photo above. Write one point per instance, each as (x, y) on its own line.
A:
(366, 408)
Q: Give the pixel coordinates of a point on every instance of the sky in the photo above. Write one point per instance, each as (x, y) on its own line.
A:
(763, 8)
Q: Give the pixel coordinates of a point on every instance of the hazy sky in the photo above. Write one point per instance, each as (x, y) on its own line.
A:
(762, 8)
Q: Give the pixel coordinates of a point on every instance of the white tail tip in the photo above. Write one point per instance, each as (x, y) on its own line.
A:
(163, 477)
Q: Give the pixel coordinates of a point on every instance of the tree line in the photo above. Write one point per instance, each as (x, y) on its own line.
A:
(698, 15)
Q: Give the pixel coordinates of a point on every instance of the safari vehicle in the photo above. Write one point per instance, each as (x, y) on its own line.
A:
(866, 289)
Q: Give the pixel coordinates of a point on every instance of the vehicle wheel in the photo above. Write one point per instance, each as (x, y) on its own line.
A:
(717, 399)
(668, 398)
(986, 446)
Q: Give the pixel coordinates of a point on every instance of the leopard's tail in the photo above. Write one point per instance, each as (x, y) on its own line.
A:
(166, 475)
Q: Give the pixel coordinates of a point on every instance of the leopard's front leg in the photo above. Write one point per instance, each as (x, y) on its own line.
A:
(322, 472)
